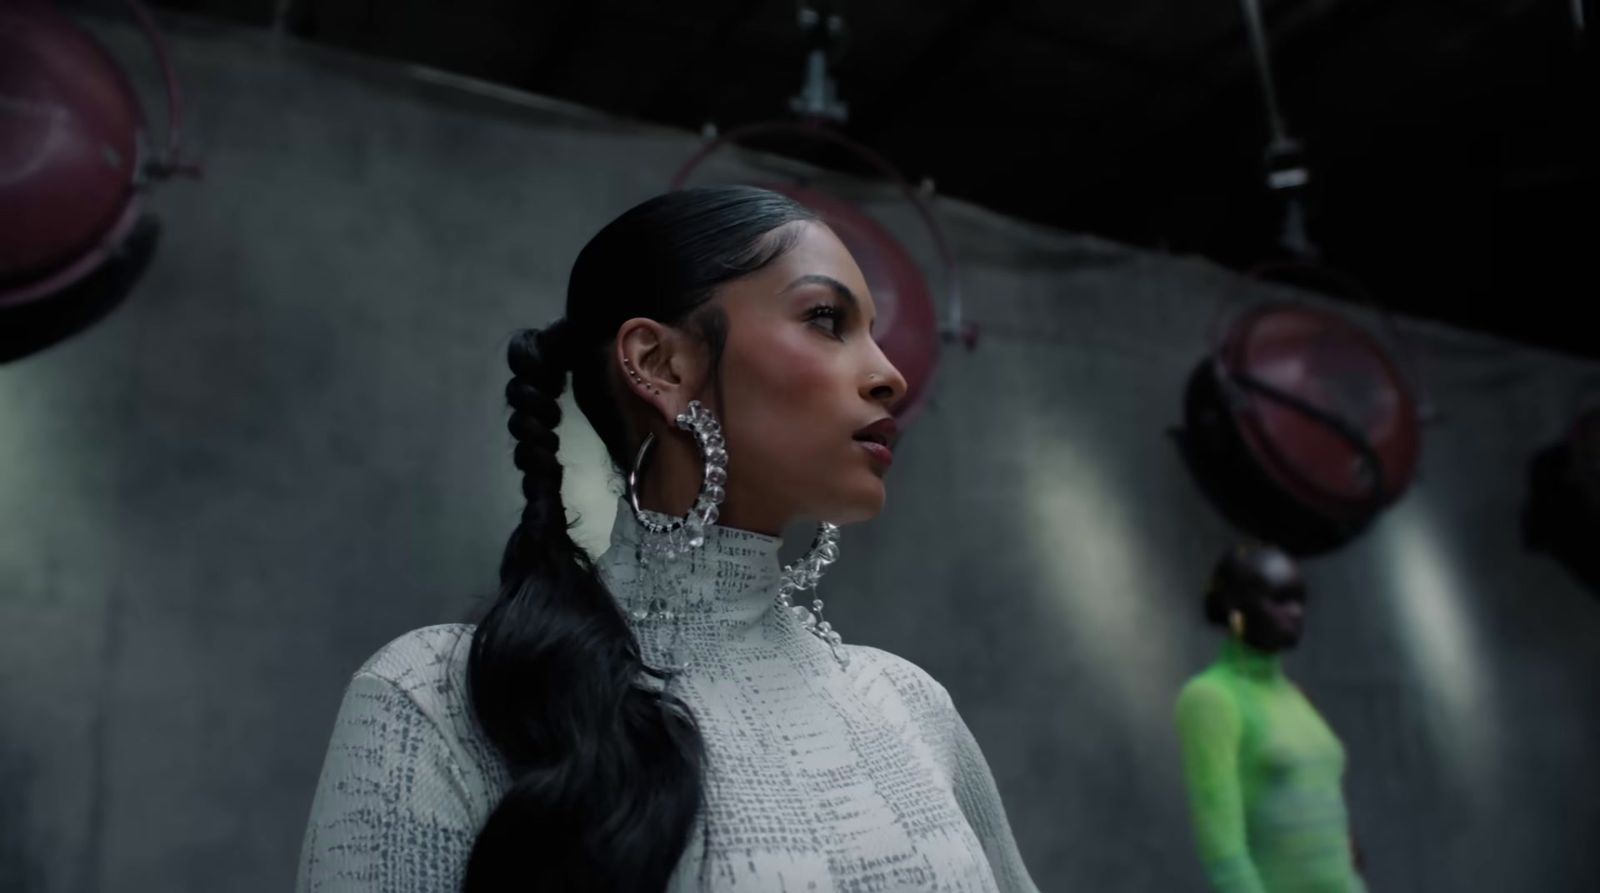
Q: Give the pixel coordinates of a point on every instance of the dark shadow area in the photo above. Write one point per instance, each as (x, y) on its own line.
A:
(32, 327)
(1559, 519)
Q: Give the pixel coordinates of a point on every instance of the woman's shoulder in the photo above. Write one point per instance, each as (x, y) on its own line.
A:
(427, 668)
(1208, 683)
(424, 672)
(874, 669)
(425, 659)
(1206, 694)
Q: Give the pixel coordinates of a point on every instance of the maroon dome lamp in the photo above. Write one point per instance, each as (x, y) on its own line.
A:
(1299, 426)
(908, 328)
(74, 163)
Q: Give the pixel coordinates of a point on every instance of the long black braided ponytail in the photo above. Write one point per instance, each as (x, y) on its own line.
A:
(607, 768)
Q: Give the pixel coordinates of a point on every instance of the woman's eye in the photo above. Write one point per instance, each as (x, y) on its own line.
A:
(1284, 596)
(828, 318)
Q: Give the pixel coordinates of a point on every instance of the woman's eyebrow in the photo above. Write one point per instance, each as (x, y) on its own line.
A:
(839, 288)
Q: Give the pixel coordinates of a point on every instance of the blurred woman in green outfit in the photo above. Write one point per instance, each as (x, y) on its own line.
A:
(1263, 769)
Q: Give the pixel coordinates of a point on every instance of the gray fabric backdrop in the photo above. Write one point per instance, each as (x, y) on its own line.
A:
(287, 448)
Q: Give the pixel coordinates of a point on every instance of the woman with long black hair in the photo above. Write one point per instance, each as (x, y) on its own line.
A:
(674, 714)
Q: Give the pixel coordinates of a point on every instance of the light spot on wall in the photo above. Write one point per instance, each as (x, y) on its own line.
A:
(1436, 629)
(1110, 591)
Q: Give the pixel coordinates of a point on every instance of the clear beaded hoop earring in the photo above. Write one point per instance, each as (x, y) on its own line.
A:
(686, 534)
(805, 573)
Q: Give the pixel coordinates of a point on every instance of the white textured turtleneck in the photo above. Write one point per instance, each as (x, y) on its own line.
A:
(819, 776)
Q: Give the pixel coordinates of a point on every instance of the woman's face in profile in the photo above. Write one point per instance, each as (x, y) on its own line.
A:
(806, 391)
(1274, 606)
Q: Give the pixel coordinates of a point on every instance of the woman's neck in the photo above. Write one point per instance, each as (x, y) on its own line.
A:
(1250, 660)
(700, 601)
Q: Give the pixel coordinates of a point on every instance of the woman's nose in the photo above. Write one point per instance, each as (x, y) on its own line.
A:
(883, 383)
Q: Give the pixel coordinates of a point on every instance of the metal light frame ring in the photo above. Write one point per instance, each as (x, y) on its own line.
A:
(170, 161)
(1387, 326)
(954, 327)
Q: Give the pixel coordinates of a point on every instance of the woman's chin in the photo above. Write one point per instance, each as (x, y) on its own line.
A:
(859, 503)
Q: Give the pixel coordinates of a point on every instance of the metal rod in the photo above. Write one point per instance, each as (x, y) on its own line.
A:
(1269, 90)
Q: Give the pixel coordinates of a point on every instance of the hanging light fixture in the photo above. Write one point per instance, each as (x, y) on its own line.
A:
(1298, 424)
(75, 162)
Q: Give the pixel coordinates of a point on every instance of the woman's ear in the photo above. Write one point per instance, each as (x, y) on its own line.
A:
(659, 365)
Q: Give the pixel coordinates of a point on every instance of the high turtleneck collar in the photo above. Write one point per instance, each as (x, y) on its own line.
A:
(731, 581)
(1249, 661)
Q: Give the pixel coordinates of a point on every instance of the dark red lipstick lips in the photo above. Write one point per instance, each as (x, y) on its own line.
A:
(878, 439)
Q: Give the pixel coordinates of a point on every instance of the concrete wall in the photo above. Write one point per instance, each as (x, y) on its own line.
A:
(287, 448)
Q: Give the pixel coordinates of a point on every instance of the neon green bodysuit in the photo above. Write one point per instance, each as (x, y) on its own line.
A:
(1264, 774)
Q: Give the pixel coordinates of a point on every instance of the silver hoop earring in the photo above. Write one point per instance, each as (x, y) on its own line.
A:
(687, 533)
(805, 573)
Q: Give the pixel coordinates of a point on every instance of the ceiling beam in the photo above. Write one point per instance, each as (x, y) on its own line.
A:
(964, 30)
(729, 16)
(561, 44)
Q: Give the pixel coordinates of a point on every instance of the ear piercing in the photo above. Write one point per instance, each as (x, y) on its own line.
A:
(637, 378)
